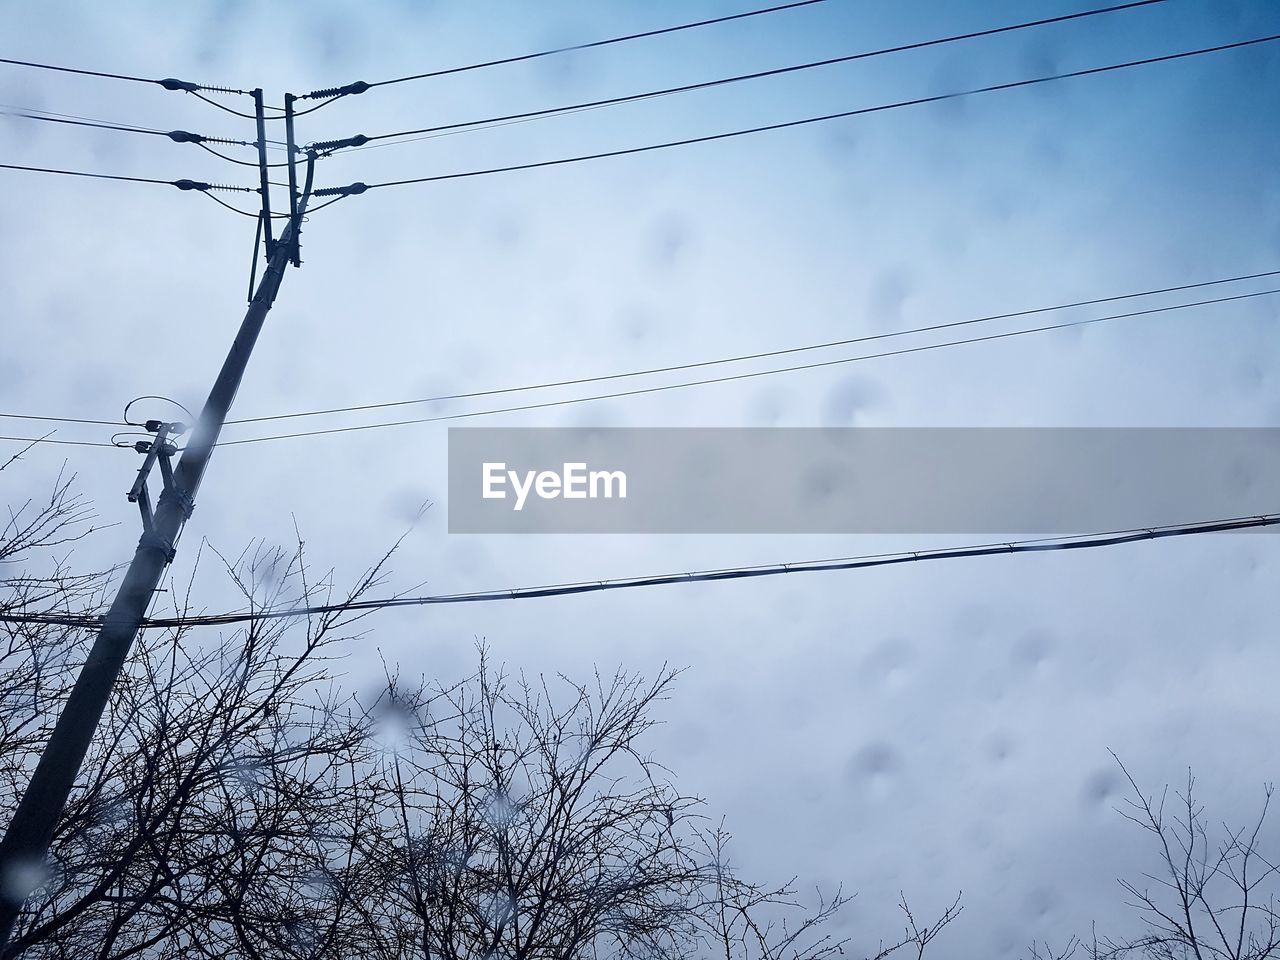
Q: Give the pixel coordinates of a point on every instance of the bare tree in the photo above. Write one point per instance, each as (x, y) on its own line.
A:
(916, 937)
(1212, 895)
(209, 804)
(36, 660)
(35, 576)
(527, 822)
(746, 921)
(1071, 949)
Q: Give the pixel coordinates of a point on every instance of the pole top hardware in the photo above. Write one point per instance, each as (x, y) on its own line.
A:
(351, 89)
(328, 146)
(160, 450)
(163, 448)
(350, 190)
(172, 429)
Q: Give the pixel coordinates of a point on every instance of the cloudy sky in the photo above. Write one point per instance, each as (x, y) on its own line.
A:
(925, 728)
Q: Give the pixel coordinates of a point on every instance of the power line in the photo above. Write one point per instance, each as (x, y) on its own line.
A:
(100, 423)
(242, 163)
(761, 74)
(168, 83)
(275, 216)
(67, 116)
(720, 361)
(254, 116)
(640, 391)
(739, 573)
(357, 188)
(672, 368)
(315, 209)
(81, 173)
(324, 103)
(450, 133)
(224, 108)
(178, 136)
(87, 73)
(13, 110)
(198, 185)
(866, 561)
(68, 443)
(578, 46)
(253, 215)
(30, 113)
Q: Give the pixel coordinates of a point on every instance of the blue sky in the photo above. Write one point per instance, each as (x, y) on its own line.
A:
(929, 729)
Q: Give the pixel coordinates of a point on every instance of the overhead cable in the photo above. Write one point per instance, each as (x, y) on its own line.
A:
(765, 354)
(169, 83)
(67, 443)
(866, 561)
(774, 371)
(177, 136)
(184, 184)
(760, 74)
(723, 360)
(359, 188)
(361, 86)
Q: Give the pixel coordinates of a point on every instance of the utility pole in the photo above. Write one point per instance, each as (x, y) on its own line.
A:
(26, 842)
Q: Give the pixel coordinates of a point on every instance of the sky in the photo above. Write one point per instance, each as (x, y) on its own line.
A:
(927, 728)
